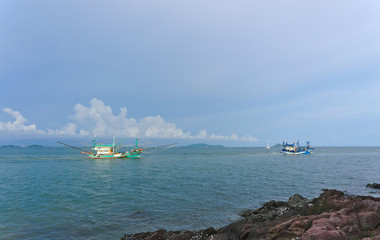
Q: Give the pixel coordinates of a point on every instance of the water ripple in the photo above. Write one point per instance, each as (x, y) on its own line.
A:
(49, 193)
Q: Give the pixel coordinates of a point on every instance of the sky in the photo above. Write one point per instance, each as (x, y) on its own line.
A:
(235, 73)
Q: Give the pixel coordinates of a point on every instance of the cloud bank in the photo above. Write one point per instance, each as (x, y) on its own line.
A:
(98, 119)
(19, 125)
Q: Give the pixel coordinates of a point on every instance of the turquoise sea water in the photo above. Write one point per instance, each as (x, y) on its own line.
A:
(52, 193)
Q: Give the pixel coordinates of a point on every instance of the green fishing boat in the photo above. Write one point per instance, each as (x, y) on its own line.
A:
(100, 151)
(109, 151)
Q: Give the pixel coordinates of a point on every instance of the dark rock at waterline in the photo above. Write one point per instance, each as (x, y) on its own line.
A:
(175, 235)
(331, 216)
(273, 209)
(297, 201)
(373, 185)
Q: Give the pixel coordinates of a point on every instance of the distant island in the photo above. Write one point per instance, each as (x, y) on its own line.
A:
(277, 145)
(201, 145)
(15, 146)
(10, 146)
(34, 146)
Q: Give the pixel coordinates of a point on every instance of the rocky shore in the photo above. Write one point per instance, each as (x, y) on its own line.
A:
(332, 216)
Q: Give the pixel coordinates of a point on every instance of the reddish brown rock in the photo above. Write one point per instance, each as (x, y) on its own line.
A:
(331, 216)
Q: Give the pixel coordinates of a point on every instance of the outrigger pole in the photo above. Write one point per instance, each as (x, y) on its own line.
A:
(166, 145)
(74, 147)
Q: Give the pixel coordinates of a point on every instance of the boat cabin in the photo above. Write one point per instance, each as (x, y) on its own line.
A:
(101, 149)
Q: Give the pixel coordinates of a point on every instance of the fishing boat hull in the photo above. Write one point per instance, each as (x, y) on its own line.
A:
(296, 153)
(112, 156)
(108, 151)
(295, 148)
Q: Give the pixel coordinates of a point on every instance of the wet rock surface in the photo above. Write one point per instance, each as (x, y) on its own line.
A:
(175, 235)
(373, 185)
(273, 209)
(333, 215)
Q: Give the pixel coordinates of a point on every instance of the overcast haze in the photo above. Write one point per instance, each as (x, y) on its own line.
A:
(236, 73)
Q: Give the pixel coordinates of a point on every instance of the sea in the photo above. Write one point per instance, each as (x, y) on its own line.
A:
(56, 193)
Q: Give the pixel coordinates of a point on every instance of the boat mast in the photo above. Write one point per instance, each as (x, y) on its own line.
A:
(113, 144)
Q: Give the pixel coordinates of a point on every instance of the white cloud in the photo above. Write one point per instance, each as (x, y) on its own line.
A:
(18, 126)
(234, 137)
(156, 127)
(98, 119)
(70, 129)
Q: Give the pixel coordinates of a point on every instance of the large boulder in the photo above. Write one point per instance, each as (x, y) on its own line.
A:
(274, 209)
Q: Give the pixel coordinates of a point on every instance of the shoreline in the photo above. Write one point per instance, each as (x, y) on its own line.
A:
(333, 215)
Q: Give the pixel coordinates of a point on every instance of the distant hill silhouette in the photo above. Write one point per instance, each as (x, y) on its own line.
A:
(34, 146)
(201, 145)
(10, 146)
(15, 146)
(277, 145)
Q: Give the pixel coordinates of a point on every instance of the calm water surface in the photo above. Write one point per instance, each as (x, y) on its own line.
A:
(52, 193)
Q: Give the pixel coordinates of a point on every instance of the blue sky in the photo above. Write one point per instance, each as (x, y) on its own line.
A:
(236, 73)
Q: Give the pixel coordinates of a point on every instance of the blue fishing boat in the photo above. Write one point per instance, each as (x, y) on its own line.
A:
(295, 148)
